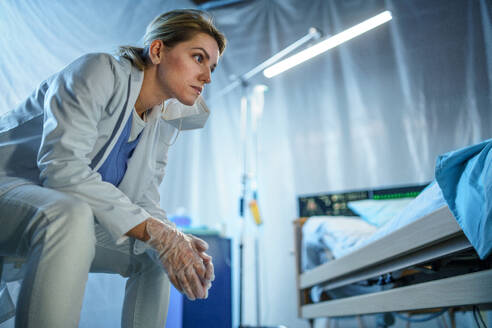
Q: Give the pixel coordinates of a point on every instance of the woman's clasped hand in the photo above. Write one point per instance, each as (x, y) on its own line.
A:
(183, 257)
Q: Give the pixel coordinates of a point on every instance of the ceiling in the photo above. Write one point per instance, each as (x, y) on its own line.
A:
(216, 4)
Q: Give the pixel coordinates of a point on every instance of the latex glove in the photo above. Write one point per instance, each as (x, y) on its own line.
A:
(180, 258)
(201, 246)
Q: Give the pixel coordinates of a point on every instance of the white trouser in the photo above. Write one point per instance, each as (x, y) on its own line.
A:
(57, 234)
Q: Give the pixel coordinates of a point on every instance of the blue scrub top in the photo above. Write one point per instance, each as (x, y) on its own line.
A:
(114, 167)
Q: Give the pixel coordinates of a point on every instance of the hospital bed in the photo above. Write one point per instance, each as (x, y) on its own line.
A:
(423, 263)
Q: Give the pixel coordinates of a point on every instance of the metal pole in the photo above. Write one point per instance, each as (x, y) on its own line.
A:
(257, 274)
(242, 200)
(256, 110)
(241, 284)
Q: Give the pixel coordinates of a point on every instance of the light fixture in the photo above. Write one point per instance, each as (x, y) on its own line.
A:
(327, 44)
(313, 34)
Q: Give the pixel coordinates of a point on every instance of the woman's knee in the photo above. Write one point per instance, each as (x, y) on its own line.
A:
(71, 220)
(147, 264)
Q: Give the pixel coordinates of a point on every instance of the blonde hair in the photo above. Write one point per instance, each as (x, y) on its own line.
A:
(172, 28)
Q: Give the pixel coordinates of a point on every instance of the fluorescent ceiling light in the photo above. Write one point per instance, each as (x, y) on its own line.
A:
(327, 44)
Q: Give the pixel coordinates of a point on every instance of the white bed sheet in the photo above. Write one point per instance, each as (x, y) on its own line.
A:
(327, 237)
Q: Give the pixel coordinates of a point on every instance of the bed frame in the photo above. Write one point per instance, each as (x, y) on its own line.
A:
(432, 238)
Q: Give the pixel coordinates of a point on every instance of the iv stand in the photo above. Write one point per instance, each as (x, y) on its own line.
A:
(245, 179)
(251, 110)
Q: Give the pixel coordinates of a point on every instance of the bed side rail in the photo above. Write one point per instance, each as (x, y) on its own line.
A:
(467, 289)
(431, 229)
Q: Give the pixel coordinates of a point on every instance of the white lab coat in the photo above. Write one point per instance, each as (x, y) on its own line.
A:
(63, 132)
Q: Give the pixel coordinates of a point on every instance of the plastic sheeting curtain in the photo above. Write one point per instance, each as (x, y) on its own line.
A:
(373, 112)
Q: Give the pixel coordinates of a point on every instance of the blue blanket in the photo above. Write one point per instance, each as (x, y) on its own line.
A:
(465, 178)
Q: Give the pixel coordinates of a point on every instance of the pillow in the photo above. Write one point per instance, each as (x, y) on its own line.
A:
(378, 212)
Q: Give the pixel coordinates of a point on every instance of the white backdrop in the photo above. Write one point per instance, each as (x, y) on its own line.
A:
(373, 112)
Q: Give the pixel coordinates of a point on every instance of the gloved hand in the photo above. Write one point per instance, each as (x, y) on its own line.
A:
(183, 257)
(201, 246)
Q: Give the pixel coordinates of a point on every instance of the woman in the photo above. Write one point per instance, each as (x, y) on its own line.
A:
(80, 164)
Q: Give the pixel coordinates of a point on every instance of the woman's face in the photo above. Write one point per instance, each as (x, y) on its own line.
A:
(185, 68)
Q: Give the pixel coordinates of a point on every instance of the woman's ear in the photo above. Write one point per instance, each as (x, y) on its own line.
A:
(155, 51)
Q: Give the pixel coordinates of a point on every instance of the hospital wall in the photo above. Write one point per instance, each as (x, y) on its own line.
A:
(373, 112)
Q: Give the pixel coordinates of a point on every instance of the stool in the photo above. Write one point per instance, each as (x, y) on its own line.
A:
(10, 270)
